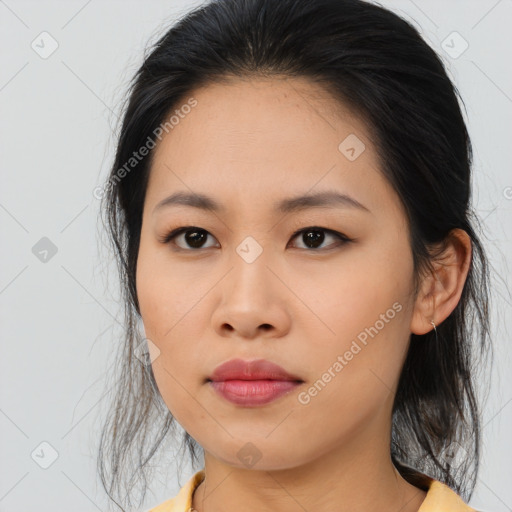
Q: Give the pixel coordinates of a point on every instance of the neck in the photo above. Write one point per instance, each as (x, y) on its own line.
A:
(348, 479)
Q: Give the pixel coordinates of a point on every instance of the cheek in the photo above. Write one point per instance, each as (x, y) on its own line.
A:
(352, 294)
(172, 312)
(364, 333)
(166, 294)
(354, 373)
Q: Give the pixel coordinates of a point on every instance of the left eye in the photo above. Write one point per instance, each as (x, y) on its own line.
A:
(312, 237)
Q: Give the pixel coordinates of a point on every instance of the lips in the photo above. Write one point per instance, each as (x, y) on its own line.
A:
(260, 369)
(252, 383)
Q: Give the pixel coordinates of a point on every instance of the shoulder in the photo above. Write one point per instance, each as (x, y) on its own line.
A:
(441, 497)
(182, 502)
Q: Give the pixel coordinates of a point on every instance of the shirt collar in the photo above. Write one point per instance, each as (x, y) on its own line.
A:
(439, 496)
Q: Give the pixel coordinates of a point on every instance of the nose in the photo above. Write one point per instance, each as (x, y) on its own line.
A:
(253, 301)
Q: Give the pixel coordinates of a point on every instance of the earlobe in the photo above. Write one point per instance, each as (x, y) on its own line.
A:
(441, 290)
(424, 307)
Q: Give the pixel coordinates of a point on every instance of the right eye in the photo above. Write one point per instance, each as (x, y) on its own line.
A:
(193, 237)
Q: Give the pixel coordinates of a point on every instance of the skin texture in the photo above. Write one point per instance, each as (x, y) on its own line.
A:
(249, 144)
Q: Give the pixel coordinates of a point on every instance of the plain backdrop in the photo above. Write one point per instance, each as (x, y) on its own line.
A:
(59, 309)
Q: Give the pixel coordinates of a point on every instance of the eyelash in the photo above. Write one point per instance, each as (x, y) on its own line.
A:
(167, 238)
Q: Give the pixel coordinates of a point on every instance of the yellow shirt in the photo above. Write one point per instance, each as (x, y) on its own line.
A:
(439, 498)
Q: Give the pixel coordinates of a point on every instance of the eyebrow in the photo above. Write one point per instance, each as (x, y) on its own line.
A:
(292, 204)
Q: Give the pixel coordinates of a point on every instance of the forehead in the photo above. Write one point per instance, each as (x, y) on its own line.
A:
(266, 138)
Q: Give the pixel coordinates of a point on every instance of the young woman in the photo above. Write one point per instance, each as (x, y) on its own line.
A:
(290, 208)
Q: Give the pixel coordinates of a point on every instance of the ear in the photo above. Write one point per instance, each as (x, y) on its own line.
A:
(440, 291)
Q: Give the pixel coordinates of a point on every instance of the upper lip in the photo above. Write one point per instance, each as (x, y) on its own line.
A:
(259, 369)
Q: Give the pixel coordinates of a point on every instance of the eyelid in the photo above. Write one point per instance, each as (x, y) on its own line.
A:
(319, 228)
(342, 238)
(168, 236)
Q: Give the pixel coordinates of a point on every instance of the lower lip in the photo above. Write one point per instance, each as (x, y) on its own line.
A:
(253, 392)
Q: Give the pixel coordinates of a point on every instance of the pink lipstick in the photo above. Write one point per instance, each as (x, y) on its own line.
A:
(252, 383)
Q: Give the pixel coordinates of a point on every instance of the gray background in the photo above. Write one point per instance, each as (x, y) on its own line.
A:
(60, 317)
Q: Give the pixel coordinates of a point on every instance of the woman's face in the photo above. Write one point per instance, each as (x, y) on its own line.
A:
(240, 284)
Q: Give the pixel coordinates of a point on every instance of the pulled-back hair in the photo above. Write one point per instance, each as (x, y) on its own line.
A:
(376, 63)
